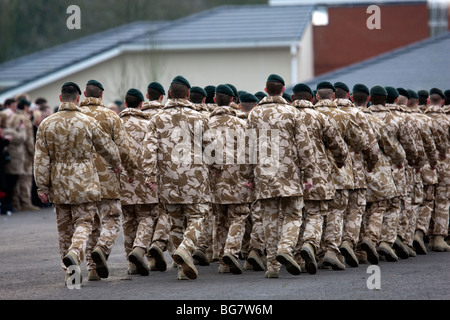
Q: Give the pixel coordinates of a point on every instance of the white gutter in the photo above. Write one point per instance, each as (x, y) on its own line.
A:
(60, 74)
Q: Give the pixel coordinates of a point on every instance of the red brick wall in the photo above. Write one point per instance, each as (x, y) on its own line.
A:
(346, 39)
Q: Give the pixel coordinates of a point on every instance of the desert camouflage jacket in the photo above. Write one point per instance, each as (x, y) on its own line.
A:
(324, 136)
(66, 145)
(367, 157)
(17, 148)
(173, 154)
(443, 169)
(380, 181)
(110, 122)
(136, 123)
(352, 134)
(151, 107)
(29, 142)
(239, 113)
(285, 157)
(231, 169)
(202, 108)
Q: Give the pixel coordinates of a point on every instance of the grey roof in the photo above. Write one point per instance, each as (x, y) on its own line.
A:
(421, 65)
(343, 2)
(232, 24)
(28, 68)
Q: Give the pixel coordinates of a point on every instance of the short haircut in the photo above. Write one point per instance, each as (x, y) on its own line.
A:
(360, 98)
(69, 94)
(153, 95)
(93, 91)
(325, 93)
(196, 97)
(303, 95)
(179, 91)
(223, 99)
(423, 100)
(436, 99)
(9, 102)
(247, 106)
(132, 101)
(390, 99)
(378, 99)
(341, 93)
(274, 88)
(40, 101)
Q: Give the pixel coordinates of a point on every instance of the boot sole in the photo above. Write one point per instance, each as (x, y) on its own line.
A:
(140, 265)
(201, 260)
(256, 265)
(419, 249)
(400, 252)
(310, 263)
(234, 269)
(387, 256)
(290, 267)
(187, 269)
(349, 259)
(371, 257)
(333, 265)
(100, 265)
(160, 262)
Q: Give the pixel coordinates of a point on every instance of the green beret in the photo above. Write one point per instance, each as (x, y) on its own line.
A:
(275, 78)
(412, 94)
(403, 92)
(392, 92)
(378, 91)
(287, 97)
(301, 87)
(73, 84)
(359, 87)
(342, 86)
(136, 93)
(158, 87)
(447, 94)
(260, 95)
(325, 85)
(181, 80)
(95, 83)
(437, 91)
(423, 94)
(234, 89)
(247, 97)
(223, 88)
(210, 90)
(199, 90)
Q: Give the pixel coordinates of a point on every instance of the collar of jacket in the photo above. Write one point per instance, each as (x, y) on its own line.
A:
(151, 105)
(434, 109)
(68, 106)
(178, 103)
(132, 112)
(378, 108)
(326, 103)
(273, 99)
(343, 102)
(415, 109)
(303, 104)
(223, 110)
(393, 107)
(200, 107)
(92, 102)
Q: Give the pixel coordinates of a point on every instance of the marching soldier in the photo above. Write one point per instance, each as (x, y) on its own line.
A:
(67, 142)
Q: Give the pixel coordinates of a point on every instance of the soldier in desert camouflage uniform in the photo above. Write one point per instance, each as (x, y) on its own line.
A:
(446, 110)
(173, 161)
(357, 196)
(325, 138)
(107, 224)
(139, 203)
(160, 242)
(403, 132)
(231, 178)
(65, 144)
(285, 155)
(380, 182)
(440, 216)
(358, 141)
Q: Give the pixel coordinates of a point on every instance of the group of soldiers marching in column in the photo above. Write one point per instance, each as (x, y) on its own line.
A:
(330, 178)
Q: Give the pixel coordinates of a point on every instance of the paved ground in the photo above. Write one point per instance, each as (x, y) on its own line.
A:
(30, 270)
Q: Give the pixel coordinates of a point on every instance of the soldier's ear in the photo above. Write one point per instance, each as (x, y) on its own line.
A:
(368, 98)
(60, 98)
(351, 98)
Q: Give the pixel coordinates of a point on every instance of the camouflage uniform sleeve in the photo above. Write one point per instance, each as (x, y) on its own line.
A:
(105, 147)
(41, 164)
(370, 153)
(150, 154)
(355, 136)
(440, 138)
(306, 155)
(407, 141)
(392, 148)
(334, 142)
(122, 140)
(429, 146)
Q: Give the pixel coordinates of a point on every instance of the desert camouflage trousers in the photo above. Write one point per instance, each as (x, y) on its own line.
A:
(74, 224)
(353, 216)
(333, 222)
(138, 223)
(161, 231)
(372, 220)
(408, 218)
(186, 222)
(22, 192)
(231, 220)
(106, 228)
(254, 232)
(207, 241)
(312, 223)
(439, 218)
(282, 218)
(390, 220)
